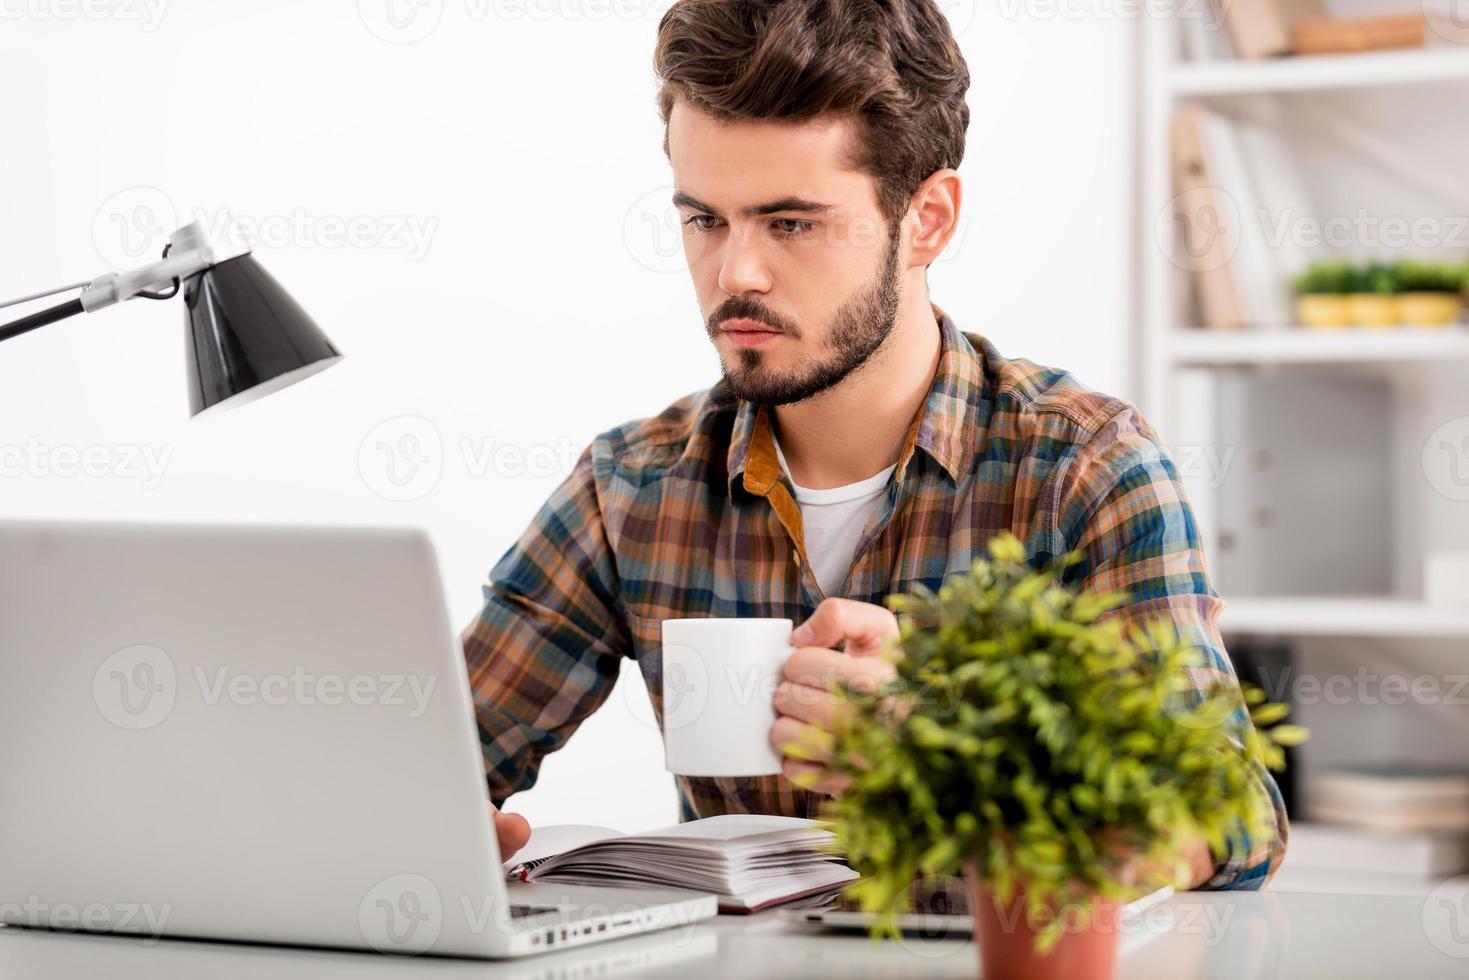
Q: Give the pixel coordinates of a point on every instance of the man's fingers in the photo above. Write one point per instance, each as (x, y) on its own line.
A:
(820, 668)
(863, 626)
(813, 705)
(511, 830)
(809, 775)
(799, 740)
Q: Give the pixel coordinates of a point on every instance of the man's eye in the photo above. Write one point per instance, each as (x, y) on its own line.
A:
(790, 226)
(701, 222)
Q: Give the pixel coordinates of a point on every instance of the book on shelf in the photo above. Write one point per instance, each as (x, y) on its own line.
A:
(1392, 798)
(1262, 28)
(1207, 218)
(1424, 854)
(751, 861)
(1238, 184)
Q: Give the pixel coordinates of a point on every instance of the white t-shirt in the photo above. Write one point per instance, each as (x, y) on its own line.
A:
(833, 521)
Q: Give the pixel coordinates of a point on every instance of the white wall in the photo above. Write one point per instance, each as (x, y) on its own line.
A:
(508, 287)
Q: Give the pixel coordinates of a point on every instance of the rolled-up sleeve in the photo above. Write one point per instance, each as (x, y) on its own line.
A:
(544, 652)
(1120, 502)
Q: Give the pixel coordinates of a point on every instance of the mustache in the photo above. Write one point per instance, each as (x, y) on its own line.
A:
(743, 308)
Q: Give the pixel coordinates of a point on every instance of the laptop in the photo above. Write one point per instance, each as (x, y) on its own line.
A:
(936, 919)
(258, 734)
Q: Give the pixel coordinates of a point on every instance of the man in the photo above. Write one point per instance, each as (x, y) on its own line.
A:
(858, 442)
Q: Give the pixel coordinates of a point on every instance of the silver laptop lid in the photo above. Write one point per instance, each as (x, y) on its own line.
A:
(245, 733)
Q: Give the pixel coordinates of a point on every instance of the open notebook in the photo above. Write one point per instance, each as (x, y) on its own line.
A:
(751, 861)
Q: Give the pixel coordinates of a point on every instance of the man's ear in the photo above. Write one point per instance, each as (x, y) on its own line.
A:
(934, 215)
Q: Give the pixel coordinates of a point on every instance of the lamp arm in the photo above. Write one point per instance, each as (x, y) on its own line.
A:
(115, 287)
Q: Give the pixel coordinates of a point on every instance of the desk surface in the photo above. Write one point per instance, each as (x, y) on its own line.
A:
(1238, 936)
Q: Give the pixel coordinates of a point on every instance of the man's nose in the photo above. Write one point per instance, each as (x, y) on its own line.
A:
(744, 266)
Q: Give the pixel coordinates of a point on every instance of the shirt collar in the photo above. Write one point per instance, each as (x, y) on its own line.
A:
(941, 429)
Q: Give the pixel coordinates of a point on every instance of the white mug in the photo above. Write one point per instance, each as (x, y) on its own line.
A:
(719, 680)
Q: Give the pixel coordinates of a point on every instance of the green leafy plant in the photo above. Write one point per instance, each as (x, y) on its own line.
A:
(1382, 278)
(1376, 277)
(1053, 750)
(1323, 277)
(1432, 277)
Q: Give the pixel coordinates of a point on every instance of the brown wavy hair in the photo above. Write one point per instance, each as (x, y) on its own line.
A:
(892, 65)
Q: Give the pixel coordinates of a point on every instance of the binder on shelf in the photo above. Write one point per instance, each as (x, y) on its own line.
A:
(1208, 218)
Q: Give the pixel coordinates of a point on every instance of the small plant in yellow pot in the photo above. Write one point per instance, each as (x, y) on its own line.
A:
(1372, 296)
(1059, 760)
(1321, 296)
(1431, 293)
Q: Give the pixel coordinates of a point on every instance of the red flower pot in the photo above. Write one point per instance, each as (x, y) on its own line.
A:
(1006, 935)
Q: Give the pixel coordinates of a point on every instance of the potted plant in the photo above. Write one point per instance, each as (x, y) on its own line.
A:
(1321, 295)
(1432, 293)
(1057, 759)
(1372, 296)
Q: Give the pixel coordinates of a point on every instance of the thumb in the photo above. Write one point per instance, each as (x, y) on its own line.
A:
(864, 627)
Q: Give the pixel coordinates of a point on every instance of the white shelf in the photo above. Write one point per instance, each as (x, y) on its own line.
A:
(1317, 72)
(1357, 616)
(1299, 345)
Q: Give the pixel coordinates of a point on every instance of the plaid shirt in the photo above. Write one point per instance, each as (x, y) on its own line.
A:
(688, 514)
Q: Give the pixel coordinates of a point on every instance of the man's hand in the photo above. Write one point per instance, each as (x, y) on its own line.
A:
(804, 702)
(512, 829)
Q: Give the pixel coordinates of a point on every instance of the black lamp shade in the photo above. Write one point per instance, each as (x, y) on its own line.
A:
(246, 336)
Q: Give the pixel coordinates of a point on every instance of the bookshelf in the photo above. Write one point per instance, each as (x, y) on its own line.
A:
(1319, 528)
(1317, 72)
(1349, 616)
(1297, 345)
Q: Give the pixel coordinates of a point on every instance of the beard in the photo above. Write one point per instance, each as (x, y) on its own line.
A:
(857, 331)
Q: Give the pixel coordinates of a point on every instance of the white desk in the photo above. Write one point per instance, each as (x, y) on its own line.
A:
(1234, 936)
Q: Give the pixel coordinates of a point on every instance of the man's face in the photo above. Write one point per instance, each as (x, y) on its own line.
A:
(796, 272)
